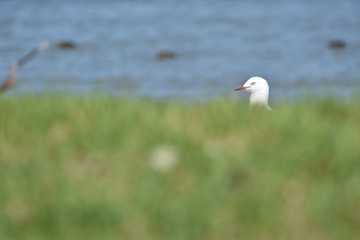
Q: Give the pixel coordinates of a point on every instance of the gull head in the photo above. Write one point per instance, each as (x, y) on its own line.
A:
(254, 85)
(259, 91)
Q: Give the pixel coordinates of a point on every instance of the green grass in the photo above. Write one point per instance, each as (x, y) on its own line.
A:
(108, 168)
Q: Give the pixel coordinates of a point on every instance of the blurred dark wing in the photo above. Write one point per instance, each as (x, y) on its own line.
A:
(11, 79)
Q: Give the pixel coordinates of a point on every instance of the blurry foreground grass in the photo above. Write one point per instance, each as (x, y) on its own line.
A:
(108, 168)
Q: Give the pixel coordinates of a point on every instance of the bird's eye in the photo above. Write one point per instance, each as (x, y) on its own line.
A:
(253, 83)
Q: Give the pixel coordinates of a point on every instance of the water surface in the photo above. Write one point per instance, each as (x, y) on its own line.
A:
(219, 44)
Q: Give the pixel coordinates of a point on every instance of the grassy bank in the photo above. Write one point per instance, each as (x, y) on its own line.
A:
(107, 168)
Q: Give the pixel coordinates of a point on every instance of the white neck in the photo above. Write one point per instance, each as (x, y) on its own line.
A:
(260, 98)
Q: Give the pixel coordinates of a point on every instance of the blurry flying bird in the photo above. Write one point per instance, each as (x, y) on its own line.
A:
(11, 79)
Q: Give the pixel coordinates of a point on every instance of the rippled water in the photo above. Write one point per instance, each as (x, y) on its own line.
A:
(219, 44)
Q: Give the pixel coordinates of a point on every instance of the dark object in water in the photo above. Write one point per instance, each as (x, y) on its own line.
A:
(11, 79)
(64, 44)
(337, 44)
(165, 55)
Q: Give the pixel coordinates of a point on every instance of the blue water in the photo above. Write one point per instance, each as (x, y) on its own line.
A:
(219, 44)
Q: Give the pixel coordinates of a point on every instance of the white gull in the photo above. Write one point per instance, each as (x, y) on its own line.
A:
(259, 91)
